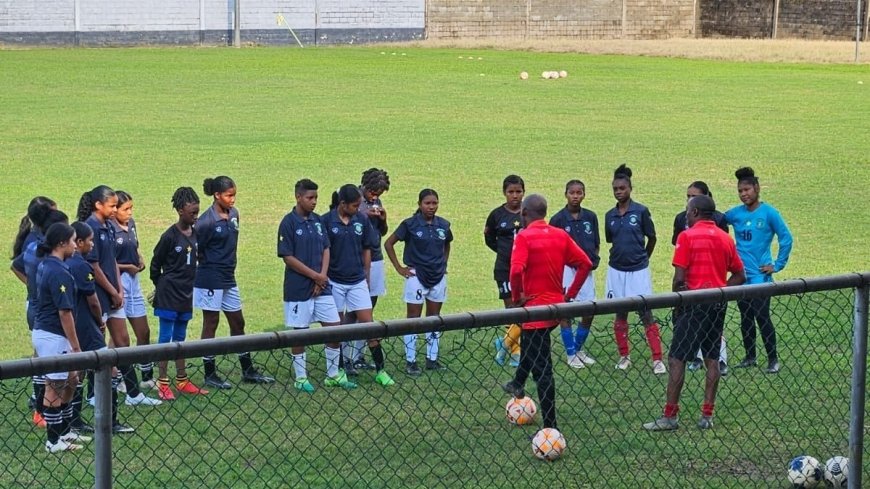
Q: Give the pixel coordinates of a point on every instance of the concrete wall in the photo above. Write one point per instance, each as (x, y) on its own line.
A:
(807, 19)
(121, 22)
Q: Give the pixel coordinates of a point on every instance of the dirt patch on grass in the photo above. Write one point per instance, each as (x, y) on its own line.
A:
(788, 50)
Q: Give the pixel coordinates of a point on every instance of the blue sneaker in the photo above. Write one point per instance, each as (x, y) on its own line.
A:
(515, 360)
(500, 352)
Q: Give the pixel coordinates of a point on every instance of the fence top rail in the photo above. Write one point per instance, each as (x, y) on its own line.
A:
(93, 360)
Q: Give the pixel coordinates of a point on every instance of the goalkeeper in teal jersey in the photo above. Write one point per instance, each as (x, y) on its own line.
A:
(755, 223)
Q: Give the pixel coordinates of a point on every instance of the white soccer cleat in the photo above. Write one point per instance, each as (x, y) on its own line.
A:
(624, 363)
(575, 362)
(72, 436)
(585, 358)
(148, 384)
(659, 368)
(141, 400)
(61, 446)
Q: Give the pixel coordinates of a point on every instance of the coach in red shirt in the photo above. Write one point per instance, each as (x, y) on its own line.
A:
(702, 259)
(539, 257)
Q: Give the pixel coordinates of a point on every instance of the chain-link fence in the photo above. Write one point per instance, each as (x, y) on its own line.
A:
(448, 428)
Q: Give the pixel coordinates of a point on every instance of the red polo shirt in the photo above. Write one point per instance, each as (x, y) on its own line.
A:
(539, 257)
(707, 254)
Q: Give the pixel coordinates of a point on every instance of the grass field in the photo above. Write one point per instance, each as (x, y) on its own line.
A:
(150, 120)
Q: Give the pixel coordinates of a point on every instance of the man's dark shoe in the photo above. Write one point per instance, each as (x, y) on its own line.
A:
(514, 389)
(746, 363)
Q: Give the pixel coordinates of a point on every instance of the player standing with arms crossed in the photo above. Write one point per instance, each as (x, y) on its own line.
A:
(755, 223)
(502, 225)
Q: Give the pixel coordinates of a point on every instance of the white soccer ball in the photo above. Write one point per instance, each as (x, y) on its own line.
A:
(563, 74)
(524, 76)
(837, 472)
(521, 411)
(548, 444)
(804, 471)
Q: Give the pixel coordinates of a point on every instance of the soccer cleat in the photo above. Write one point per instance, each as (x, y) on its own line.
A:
(411, 368)
(349, 369)
(253, 376)
(92, 401)
(82, 428)
(624, 363)
(705, 423)
(515, 360)
(575, 362)
(514, 389)
(434, 365)
(188, 387)
(119, 428)
(746, 363)
(38, 420)
(773, 367)
(142, 400)
(695, 365)
(148, 384)
(662, 424)
(215, 381)
(384, 379)
(659, 367)
(585, 358)
(723, 368)
(73, 436)
(361, 364)
(339, 380)
(165, 393)
(303, 385)
(61, 446)
(500, 352)
(122, 386)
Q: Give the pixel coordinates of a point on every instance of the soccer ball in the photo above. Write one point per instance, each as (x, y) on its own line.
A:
(837, 472)
(804, 471)
(521, 411)
(548, 444)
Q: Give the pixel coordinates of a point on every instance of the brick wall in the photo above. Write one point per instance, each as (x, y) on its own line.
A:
(807, 19)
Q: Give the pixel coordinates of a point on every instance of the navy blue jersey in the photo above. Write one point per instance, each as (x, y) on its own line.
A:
(681, 224)
(87, 326)
(173, 270)
(18, 262)
(499, 231)
(424, 247)
(217, 240)
(628, 233)
(103, 254)
(379, 227)
(346, 245)
(31, 263)
(583, 230)
(126, 243)
(304, 239)
(56, 290)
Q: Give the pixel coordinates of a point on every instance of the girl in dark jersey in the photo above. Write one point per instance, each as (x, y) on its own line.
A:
(130, 263)
(173, 268)
(214, 287)
(96, 209)
(427, 240)
(502, 224)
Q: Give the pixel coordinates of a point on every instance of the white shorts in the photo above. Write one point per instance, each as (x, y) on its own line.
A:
(47, 344)
(587, 291)
(118, 313)
(377, 279)
(321, 309)
(134, 300)
(227, 300)
(628, 284)
(415, 293)
(350, 298)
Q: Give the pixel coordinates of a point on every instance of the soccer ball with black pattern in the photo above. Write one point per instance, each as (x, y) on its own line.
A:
(837, 472)
(804, 471)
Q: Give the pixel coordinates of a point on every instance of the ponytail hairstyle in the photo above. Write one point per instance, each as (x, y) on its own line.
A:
(57, 234)
(87, 203)
(217, 185)
(573, 182)
(375, 180)
(702, 187)
(184, 196)
(83, 231)
(426, 192)
(512, 180)
(623, 173)
(348, 193)
(746, 175)
(123, 197)
(37, 211)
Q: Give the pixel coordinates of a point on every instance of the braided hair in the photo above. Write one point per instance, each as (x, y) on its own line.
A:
(375, 180)
(184, 196)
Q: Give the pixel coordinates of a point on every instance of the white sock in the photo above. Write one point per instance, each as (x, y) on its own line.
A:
(432, 346)
(332, 361)
(299, 365)
(410, 347)
(723, 352)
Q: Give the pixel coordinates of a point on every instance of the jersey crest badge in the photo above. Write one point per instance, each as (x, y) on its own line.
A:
(587, 227)
(358, 228)
(441, 234)
(632, 220)
(234, 223)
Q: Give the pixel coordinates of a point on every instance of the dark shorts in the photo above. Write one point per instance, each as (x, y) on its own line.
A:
(698, 327)
(504, 289)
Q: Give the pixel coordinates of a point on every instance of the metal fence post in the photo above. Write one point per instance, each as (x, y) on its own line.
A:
(859, 388)
(103, 427)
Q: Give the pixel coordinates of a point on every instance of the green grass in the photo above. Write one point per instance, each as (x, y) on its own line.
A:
(150, 120)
